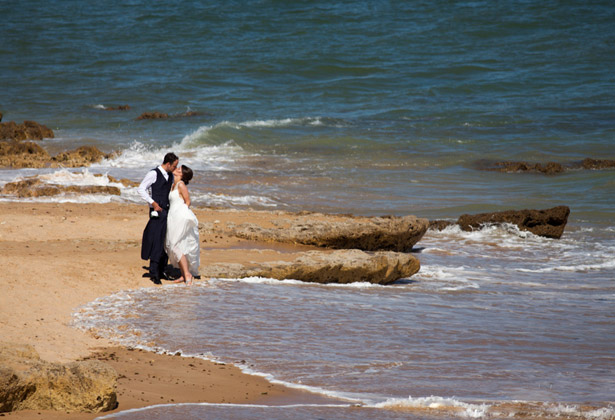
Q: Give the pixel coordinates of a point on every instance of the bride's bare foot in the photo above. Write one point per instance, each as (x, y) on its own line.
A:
(179, 280)
(189, 281)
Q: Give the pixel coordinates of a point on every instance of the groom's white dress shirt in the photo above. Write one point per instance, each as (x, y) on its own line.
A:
(145, 189)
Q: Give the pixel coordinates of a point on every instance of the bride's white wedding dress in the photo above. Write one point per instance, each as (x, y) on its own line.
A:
(182, 233)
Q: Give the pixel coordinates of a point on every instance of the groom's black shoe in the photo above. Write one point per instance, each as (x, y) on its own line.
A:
(156, 280)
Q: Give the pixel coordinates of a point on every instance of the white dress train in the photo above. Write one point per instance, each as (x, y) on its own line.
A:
(182, 234)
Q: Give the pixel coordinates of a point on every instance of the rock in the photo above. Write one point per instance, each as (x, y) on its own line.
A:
(29, 383)
(162, 115)
(34, 187)
(589, 163)
(124, 181)
(439, 224)
(0, 116)
(549, 168)
(28, 130)
(340, 266)
(549, 223)
(368, 234)
(117, 108)
(152, 116)
(17, 154)
(81, 156)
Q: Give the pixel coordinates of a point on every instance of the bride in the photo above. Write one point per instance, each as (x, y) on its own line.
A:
(182, 240)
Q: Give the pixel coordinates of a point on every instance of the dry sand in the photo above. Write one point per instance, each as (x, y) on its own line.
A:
(56, 257)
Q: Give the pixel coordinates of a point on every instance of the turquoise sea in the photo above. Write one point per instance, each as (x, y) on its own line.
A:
(363, 107)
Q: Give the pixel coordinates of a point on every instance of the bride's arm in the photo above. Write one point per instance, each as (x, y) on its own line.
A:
(183, 191)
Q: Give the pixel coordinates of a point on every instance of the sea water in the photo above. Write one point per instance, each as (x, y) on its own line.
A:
(368, 108)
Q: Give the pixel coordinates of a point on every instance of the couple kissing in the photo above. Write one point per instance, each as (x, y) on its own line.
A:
(172, 231)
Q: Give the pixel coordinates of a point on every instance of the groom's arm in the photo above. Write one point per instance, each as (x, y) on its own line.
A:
(144, 187)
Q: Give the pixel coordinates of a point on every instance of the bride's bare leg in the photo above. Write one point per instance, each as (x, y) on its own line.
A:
(183, 266)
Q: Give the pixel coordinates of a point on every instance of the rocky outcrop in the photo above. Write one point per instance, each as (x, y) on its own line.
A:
(339, 266)
(28, 130)
(549, 223)
(549, 168)
(29, 383)
(16, 154)
(34, 187)
(81, 156)
(598, 164)
(369, 234)
(117, 108)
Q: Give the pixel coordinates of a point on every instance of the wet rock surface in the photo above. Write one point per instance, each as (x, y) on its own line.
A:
(29, 383)
(339, 266)
(35, 187)
(398, 234)
(549, 223)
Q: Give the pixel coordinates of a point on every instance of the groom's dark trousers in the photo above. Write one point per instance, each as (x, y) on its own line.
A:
(152, 244)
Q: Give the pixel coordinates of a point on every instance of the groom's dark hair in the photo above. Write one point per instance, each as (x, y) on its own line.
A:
(169, 158)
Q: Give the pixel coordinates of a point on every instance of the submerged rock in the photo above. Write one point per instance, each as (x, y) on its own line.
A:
(549, 168)
(549, 222)
(29, 383)
(369, 234)
(28, 130)
(340, 266)
(153, 116)
(589, 163)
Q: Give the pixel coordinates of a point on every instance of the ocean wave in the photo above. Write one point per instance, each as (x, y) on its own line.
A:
(605, 265)
(204, 157)
(222, 200)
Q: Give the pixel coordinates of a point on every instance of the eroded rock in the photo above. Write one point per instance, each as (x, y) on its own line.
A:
(29, 383)
(34, 187)
(369, 234)
(339, 266)
(16, 154)
(549, 222)
(28, 130)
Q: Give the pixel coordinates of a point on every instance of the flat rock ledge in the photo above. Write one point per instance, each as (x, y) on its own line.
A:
(34, 187)
(549, 223)
(398, 234)
(29, 383)
(339, 266)
(27, 154)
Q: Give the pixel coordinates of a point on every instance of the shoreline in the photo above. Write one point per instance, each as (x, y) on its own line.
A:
(58, 257)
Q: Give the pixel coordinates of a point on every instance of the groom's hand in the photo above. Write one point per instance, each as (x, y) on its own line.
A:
(156, 206)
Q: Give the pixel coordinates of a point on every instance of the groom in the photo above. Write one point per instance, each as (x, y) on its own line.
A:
(155, 189)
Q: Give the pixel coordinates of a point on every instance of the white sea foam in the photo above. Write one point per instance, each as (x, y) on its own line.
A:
(225, 405)
(451, 405)
(222, 200)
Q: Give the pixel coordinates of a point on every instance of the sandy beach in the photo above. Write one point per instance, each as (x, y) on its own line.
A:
(57, 257)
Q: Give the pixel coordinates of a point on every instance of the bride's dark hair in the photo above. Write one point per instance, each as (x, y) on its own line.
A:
(186, 174)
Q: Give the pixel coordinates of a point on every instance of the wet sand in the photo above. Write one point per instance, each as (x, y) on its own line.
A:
(56, 257)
